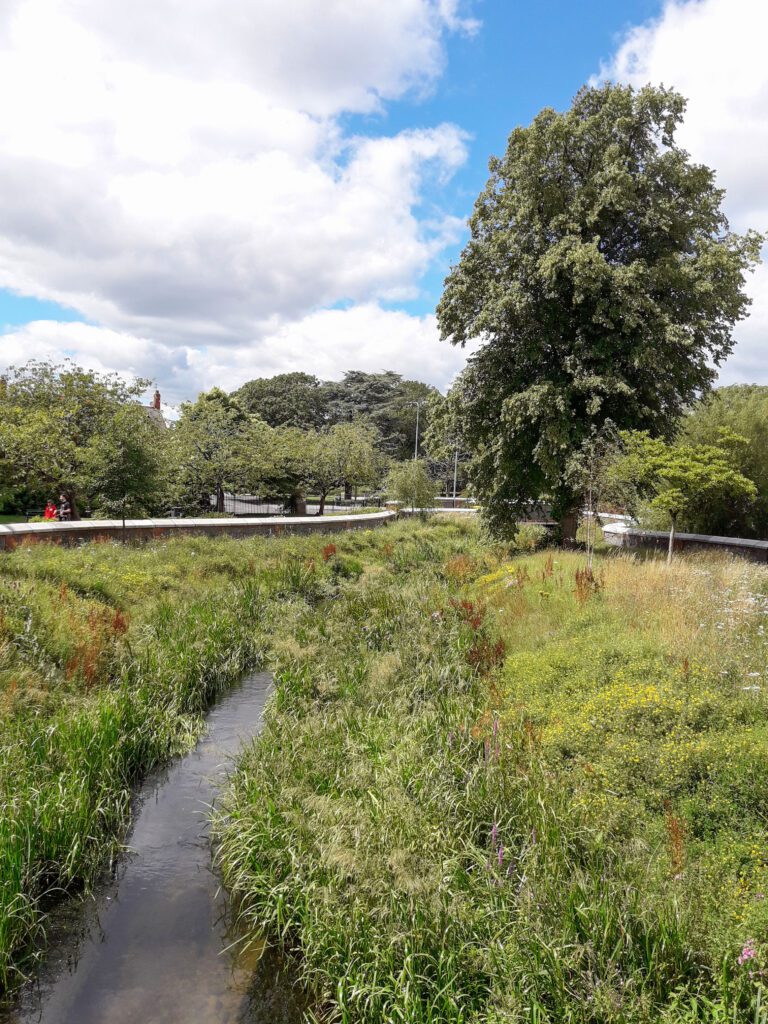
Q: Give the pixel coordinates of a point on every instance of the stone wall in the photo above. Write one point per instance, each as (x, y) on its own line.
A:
(101, 530)
(621, 536)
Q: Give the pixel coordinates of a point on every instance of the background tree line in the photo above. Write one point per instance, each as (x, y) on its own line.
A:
(65, 430)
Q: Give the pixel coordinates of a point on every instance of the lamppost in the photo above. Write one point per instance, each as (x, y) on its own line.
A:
(418, 405)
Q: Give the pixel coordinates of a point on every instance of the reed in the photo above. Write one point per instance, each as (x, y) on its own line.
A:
(568, 828)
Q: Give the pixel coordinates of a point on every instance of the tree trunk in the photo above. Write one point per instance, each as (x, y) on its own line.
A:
(321, 508)
(568, 523)
(219, 498)
(73, 513)
(298, 504)
(671, 539)
(347, 491)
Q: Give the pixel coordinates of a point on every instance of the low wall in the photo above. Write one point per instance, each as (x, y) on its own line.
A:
(622, 536)
(100, 530)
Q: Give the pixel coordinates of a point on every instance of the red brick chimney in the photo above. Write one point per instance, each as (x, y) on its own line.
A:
(156, 400)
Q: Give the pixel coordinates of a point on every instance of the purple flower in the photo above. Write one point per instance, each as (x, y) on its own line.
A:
(748, 953)
(501, 854)
(494, 835)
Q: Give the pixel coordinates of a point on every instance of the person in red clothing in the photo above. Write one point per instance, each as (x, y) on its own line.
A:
(50, 514)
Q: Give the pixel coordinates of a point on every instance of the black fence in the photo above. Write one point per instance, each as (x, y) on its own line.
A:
(257, 505)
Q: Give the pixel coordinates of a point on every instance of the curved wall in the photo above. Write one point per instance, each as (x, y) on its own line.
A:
(100, 530)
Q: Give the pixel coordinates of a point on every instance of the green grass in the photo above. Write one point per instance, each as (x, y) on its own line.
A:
(497, 791)
(489, 789)
(109, 656)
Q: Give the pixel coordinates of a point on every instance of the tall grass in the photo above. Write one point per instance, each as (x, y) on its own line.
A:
(495, 790)
(108, 658)
(490, 789)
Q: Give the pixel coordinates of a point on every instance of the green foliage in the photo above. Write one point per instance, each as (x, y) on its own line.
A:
(387, 401)
(384, 400)
(573, 835)
(217, 446)
(487, 791)
(124, 464)
(109, 656)
(410, 484)
(343, 455)
(285, 400)
(604, 284)
(743, 409)
(49, 416)
(529, 537)
(443, 442)
(690, 484)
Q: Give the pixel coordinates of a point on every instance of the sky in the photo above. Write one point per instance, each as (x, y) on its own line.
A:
(202, 193)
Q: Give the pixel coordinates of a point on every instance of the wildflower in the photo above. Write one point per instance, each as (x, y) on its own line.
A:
(494, 835)
(748, 952)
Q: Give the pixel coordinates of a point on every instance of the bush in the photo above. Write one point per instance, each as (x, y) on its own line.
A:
(530, 537)
(410, 484)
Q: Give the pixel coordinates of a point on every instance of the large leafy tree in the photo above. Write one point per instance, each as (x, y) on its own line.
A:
(743, 409)
(124, 464)
(387, 401)
(50, 415)
(288, 399)
(344, 455)
(208, 442)
(603, 282)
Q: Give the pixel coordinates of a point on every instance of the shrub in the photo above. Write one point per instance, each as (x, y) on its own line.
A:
(530, 537)
(410, 484)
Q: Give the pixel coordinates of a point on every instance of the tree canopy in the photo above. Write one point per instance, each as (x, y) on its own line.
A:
(285, 400)
(124, 464)
(604, 283)
(50, 417)
(410, 484)
(385, 400)
(743, 409)
(686, 481)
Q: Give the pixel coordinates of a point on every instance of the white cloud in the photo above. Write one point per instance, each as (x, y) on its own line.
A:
(713, 52)
(327, 342)
(177, 170)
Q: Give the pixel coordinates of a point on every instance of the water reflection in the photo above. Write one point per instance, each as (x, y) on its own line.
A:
(157, 944)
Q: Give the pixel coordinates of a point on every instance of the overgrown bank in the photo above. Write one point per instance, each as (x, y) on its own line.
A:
(108, 658)
(494, 790)
(490, 789)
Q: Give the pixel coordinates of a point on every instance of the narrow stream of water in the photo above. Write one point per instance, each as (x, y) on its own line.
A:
(156, 943)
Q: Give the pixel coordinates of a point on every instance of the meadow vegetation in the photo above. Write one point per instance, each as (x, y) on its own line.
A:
(109, 656)
(492, 786)
(498, 788)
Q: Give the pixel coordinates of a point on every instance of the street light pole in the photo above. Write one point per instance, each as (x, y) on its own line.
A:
(455, 473)
(416, 444)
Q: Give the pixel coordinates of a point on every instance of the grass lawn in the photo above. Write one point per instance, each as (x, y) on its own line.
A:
(12, 519)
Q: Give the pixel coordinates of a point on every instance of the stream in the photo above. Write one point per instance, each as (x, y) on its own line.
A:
(156, 944)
